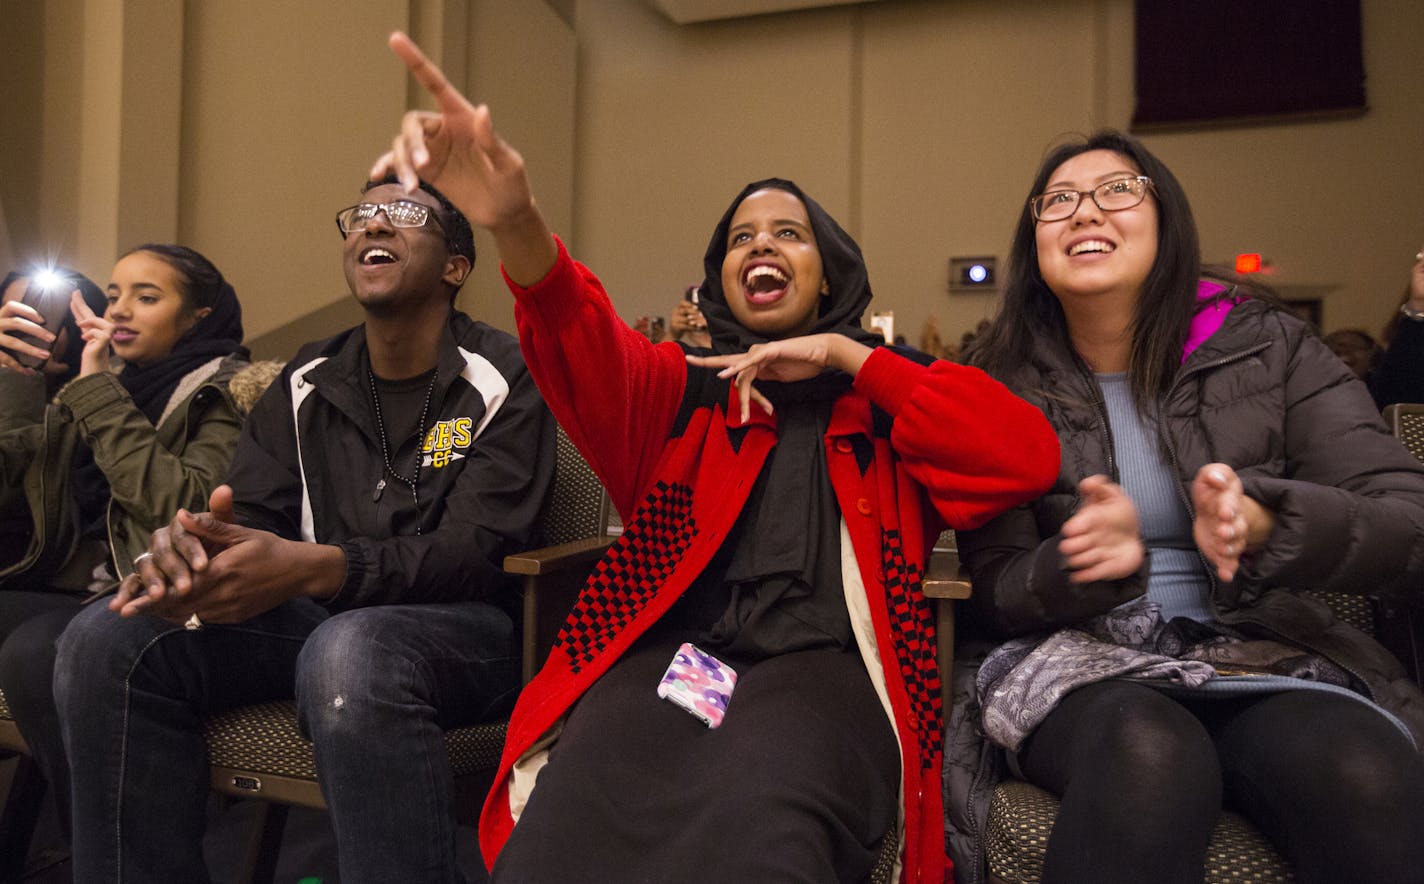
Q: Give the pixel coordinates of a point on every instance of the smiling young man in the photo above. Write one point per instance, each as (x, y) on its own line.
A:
(352, 561)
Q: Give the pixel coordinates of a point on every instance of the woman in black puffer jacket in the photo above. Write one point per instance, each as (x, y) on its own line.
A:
(1157, 656)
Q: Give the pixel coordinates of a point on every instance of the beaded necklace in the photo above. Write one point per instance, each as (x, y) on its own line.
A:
(412, 481)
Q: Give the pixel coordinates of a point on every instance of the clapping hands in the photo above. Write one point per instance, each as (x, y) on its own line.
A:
(1102, 541)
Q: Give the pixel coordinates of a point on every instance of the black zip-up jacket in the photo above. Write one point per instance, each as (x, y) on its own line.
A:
(309, 459)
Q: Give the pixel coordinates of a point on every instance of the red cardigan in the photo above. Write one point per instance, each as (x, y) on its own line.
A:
(910, 449)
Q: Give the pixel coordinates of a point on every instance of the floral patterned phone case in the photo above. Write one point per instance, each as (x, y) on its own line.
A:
(699, 683)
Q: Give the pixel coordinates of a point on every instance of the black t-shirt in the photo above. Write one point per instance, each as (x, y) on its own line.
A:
(401, 405)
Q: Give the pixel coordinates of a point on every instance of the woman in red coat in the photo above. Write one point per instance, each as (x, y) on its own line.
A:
(780, 499)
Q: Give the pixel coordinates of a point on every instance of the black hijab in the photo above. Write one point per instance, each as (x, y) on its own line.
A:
(92, 295)
(777, 582)
(841, 262)
(217, 334)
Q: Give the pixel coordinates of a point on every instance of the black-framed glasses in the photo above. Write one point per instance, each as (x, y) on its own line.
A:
(1110, 196)
(401, 213)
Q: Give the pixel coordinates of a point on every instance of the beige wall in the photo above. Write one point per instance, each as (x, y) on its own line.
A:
(21, 113)
(961, 100)
(523, 63)
(672, 121)
(91, 118)
(285, 106)
(241, 128)
(921, 124)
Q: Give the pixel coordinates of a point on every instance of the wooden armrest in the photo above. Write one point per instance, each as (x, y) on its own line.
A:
(947, 589)
(10, 739)
(551, 559)
(945, 580)
(945, 577)
(551, 578)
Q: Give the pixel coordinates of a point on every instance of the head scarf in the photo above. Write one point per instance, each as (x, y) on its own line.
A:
(92, 295)
(842, 264)
(217, 334)
(781, 580)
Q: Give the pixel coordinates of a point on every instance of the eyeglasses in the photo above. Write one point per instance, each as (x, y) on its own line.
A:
(1110, 196)
(401, 213)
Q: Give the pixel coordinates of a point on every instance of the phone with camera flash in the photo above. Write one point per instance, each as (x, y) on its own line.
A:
(50, 299)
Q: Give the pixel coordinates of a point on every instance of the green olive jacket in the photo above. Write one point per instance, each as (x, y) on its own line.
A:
(152, 470)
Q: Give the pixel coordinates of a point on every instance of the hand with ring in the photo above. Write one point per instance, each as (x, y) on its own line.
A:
(204, 569)
(164, 573)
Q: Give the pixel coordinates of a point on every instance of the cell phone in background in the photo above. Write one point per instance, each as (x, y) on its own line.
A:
(48, 295)
(693, 295)
(700, 683)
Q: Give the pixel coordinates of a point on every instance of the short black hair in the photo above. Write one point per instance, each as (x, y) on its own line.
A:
(459, 237)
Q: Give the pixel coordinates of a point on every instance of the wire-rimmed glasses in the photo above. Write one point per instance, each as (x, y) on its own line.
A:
(1110, 196)
(401, 213)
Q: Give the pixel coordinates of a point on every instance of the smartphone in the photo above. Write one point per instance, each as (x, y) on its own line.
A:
(48, 294)
(699, 683)
(693, 295)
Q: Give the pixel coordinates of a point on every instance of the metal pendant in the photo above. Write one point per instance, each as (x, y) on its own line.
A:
(380, 486)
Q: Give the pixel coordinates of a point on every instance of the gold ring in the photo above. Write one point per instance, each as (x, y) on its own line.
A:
(193, 622)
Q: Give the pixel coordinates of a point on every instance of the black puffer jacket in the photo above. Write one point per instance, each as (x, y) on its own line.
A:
(1265, 396)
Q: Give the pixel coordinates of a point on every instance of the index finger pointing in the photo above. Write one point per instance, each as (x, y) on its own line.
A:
(426, 73)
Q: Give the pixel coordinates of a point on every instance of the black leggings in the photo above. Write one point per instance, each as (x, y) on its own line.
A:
(30, 622)
(1142, 777)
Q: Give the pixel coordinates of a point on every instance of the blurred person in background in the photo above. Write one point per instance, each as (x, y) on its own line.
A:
(1400, 376)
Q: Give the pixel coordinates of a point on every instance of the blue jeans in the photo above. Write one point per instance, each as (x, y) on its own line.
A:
(375, 688)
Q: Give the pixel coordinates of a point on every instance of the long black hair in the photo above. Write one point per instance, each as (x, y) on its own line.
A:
(1030, 315)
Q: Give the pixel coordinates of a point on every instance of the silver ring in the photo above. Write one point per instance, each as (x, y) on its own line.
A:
(193, 622)
(140, 557)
